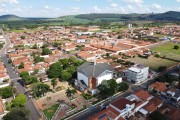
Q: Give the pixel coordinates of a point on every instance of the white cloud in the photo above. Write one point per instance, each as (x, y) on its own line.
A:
(114, 5)
(46, 7)
(9, 1)
(156, 6)
(96, 9)
(133, 1)
(75, 9)
(178, 0)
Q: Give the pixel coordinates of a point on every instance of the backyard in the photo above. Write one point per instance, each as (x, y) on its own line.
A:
(153, 62)
(167, 50)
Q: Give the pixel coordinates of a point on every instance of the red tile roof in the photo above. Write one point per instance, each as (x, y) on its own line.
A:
(121, 103)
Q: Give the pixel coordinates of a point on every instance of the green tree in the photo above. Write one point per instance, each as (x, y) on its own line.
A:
(70, 93)
(176, 47)
(53, 83)
(156, 115)
(107, 88)
(71, 70)
(66, 75)
(38, 59)
(21, 66)
(46, 51)
(17, 114)
(55, 70)
(55, 44)
(22, 37)
(19, 101)
(64, 63)
(39, 89)
(35, 46)
(122, 86)
(23, 74)
(6, 92)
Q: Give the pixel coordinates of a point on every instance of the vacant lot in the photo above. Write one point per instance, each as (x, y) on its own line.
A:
(168, 50)
(153, 62)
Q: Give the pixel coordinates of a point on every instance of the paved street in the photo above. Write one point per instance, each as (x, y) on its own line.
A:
(34, 114)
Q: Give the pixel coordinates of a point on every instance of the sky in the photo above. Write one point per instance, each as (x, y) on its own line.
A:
(56, 8)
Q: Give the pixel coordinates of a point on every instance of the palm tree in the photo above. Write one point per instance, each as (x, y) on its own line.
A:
(68, 92)
(53, 83)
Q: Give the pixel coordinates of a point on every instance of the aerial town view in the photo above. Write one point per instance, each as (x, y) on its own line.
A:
(89, 59)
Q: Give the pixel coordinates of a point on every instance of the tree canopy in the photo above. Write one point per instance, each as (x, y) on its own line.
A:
(6, 92)
(107, 88)
(17, 114)
(55, 70)
(122, 86)
(39, 89)
(19, 101)
(46, 51)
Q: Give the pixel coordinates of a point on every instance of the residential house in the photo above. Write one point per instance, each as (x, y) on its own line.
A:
(137, 74)
(159, 87)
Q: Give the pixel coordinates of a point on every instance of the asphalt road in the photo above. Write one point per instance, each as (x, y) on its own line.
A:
(34, 114)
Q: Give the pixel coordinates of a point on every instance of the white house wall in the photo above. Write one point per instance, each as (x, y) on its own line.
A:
(105, 76)
(80, 76)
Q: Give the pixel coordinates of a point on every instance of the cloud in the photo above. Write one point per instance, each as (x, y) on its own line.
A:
(46, 7)
(9, 1)
(75, 9)
(95, 9)
(114, 5)
(133, 1)
(156, 6)
(177, 0)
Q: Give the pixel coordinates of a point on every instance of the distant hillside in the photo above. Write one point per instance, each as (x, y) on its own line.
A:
(103, 17)
(11, 18)
(168, 16)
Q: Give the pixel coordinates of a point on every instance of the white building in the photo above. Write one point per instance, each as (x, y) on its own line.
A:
(90, 75)
(137, 74)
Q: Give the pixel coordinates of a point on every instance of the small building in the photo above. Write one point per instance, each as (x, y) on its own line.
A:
(137, 74)
(90, 75)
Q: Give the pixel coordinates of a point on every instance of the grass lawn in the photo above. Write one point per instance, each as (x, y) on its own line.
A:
(168, 50)
(153, 62)
(49, 112)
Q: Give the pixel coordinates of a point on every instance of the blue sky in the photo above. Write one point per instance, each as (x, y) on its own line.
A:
(56, 8)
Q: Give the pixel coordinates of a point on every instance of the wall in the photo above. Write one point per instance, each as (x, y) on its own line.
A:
(80, 76)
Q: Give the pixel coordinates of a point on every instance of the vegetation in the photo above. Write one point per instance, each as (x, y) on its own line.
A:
(19, 101)
(38, 59)
(17, 114)
(176, 47)
(53, 83)
(49, 112)
(87, 96)
(122, 86)
(156, 115)
(6, 92)
(46, 51)
(70, 92)
(107, 88)
(39, 89)
(167, 78)
(64, 68)
(21, 66)
(27, 79)
(153, 62)
(168, 50)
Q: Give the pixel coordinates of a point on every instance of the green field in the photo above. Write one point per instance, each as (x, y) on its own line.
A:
(49, 112)
(152, 62)
(168, 50)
